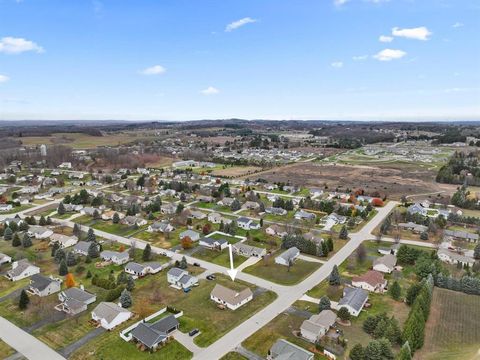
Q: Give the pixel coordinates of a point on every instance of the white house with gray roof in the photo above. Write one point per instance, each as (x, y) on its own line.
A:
(288, 256)
(193, 235)
(181, 279)
(118, 258)
(354, 299)
(285, 350)
(110, 315)
(151, 335)
(317, 326)
(41, 285)
(5, 259)
(385, 264)
(211, 243)
(75, 300)
(141, 270)
(247, 224)
(248, 250)
(21, 269)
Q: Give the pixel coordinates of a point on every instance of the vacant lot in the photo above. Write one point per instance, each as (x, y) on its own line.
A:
(392, 179)
(235, 171)
(453, 330)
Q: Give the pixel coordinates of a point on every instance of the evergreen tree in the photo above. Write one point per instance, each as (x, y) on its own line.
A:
(334, 278)
(96, 215)
(374, 351)
(24, 300)
(76, 230)
(235, 205)
(357, 353)
(91, 235)
(130, 283)
(395, 291)
(63, 268)
(147, 253)
(93, 250)
(405, 352)
(343, 233)
(122, 278)
(344, 314)
(8, 234)
(116, 218)
(49, 220)
(24, 225)
(386, 347)
(183, 263)
(125, 299)
(61, 209)
(55, 247)
(330, 244)
(476, 252)
(42, 221)
(324, 303)
(26, 241)
(16, 240)
(59, 256)
(71, 259)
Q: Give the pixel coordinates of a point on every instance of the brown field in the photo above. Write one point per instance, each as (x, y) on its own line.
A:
(236, 171)
(220, 140)
(393, 180)
(452, 331)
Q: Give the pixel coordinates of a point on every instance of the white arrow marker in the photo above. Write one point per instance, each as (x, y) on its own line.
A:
(232, 272)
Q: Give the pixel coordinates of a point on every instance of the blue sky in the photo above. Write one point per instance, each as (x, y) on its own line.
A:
(274, 59)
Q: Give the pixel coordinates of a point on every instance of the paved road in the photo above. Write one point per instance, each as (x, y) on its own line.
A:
(26, 344)
(286, 298)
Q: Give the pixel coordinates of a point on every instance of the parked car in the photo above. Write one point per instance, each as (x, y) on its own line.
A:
(196, 264)
(193, 332)
(211, 277)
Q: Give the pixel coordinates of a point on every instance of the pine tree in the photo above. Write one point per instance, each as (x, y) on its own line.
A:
(116, 218)
(357, 353)
(16, 240)
(93, 251)
(27, 241)
(63, 268)
(91, 235)
(395, 291)
(476, 252)
(334, 278)
(330, 244)
(71, 259)
(122, 278)
(324, 303)
(61, 209)
(24, 300)
(55, 248)
(386, 348)
(125, 299)
(374, 351)
(343, 233)
(147, 253)
(8, 234)
(49, 220)
(42, 221)
(130, 283)
(76, 230)
(183, 263)
(344, 314)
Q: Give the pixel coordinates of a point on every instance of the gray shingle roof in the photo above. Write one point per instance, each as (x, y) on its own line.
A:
(353, 297)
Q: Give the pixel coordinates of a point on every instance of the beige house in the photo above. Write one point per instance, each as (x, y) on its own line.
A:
(232, 299)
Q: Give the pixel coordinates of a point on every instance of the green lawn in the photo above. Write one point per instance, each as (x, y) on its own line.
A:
(219, 257)
(17, 209)
(267, 269)
(233, 356)
(6, 351)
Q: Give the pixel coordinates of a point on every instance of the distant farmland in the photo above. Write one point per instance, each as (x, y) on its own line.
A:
(453, 330)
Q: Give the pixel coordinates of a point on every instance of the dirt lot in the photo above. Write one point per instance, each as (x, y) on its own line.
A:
(452, 330)
(394, 180)
(236, 171)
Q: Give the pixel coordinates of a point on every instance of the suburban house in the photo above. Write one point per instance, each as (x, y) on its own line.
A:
(161, 226)
(411, 226)
(354, 299)
(391, 250)
(385, 264)
(16, 220)
(168, 209)
(247, 224)
(181, 279)
(453, 257)
(21, 269)
(41, 285)
(140, 270)
(90, 211)
(63, 241)
(216, 218)
(118, 258)
(81, 248)
(304, 215)
(250, 205)
(232, 299)
(461, 235)
(248, 250)
(150, 335)
(108, 215)
(285, 350)
(133, 220)
(195, 214)
(226, 201)
(39, 232)
(193, 235)
(211, 243)
(5, 259)
(75, 300)
(204, 198)
(276, 211)
(372, 281)
(5, 207)
(276, 230)
(288, 256)
(109, 315)
(317, 326)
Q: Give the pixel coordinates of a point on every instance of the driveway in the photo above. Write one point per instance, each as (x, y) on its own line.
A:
(187, 341)
(26, 344)
(56, 316)
(13, 294)
(70, 349)
(247, 353)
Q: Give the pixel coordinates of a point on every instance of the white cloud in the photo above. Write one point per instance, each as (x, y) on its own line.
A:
(239, 23)
(340, 2)
(360, 57)
(389, 54)
(154, 70)
(337, 64)
(11, 45)
(418, 33)
(210, 91)
(385, 38)
(3, 78)
(457, 25)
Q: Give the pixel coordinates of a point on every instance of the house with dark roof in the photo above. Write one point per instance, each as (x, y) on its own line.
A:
(41, 285)
(211, 243)
(150, 335)
(75, 300)
(181, 279)
(247, 224)
(354, 299)
(140, 270)
(161, 226)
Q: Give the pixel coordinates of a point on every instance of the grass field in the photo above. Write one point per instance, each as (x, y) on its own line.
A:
(278, 273)
(236, 171)
(6, 351)
(453, 330)
(233, 356)
(219, 257)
